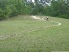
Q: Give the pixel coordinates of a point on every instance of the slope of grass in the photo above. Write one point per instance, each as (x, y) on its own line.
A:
(16, 35)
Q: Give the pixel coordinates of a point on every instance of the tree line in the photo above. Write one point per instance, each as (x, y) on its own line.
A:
(10, 8)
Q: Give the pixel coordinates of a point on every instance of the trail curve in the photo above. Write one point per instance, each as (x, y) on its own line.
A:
(38, 18)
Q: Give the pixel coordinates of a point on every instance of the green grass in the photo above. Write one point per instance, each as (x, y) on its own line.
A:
(15, 35)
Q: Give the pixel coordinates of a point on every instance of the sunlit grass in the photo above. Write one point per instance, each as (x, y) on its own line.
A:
(41, 40)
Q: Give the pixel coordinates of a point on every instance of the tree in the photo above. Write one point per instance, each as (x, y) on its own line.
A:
(7, 11)
(14, 10)
(2, 15)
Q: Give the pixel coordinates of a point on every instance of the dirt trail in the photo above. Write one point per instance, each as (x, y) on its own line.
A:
(38, 18)
(34, 17)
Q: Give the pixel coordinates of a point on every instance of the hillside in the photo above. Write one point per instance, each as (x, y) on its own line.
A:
(25, 34)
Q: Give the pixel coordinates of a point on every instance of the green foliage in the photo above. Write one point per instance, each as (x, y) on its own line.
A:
(14, 10)
(8, 11)
(9, 8)
(38, 9)
(58, 8)
(2, 15)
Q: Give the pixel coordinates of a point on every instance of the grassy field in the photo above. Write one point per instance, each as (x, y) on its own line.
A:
(24, 34)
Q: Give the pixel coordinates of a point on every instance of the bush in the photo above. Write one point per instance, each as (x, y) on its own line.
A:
(2, 15)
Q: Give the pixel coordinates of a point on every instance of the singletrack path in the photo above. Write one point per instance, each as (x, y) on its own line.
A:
(31, 30)
(38, 18)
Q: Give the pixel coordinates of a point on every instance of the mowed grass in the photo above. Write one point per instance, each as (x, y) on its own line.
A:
(24, 34)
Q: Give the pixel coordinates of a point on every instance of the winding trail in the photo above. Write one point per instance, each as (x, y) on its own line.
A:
(31, 30)
(38, 18)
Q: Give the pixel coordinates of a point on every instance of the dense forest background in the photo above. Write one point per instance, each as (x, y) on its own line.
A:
(56, 8)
